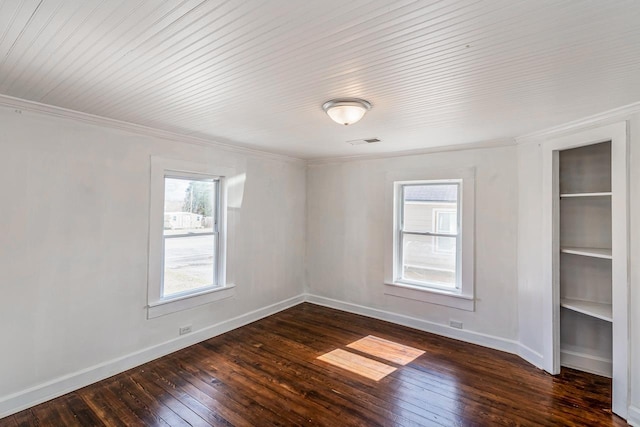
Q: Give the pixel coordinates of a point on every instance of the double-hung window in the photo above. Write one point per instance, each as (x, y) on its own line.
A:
(430, 252)
(191, 234)
(187, 236)
(428, 234)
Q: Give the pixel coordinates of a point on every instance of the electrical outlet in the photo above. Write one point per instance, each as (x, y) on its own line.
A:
(455, 324)
(185, 330)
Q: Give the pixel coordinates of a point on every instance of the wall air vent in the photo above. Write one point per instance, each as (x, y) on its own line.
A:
(363, 141)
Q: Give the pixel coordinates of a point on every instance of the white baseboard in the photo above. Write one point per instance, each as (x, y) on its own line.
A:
(485, 340)
(41, 393)
(531, 356)
(586, 362)
(633, 416)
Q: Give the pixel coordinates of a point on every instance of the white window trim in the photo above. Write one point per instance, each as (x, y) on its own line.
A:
(462, 298)
(156, 304)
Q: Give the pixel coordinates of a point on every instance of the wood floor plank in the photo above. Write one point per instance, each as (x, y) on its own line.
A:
(121, 389)
(10, 421)
(124, 413)
(80, 410)
(213, 406)
(107, 408)
(238, 392)
(160, 404)
(23, 419)
(226, 374)
(267, 374)
(154, 391)
(46, 414)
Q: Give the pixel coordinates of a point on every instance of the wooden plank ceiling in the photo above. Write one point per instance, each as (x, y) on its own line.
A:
(255, 73)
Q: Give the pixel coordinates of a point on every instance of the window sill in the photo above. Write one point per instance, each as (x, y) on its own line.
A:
(161, 308)
(431, 295)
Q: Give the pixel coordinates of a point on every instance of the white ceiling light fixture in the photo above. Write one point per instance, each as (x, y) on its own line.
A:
(346, 111)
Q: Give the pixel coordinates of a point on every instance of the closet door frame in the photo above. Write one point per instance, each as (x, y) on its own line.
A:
(617, 133)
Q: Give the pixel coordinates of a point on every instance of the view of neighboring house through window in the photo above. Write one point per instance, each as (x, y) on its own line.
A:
(190, 235)
(428, 251)
(445, 222)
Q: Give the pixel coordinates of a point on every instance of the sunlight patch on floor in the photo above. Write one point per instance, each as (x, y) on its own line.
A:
(357, 364)
(387, 350)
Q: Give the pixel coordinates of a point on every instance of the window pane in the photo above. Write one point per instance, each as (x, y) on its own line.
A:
(189, 244)
(188, 206)
(188, 263)
(430, 207)
(429, 259)
(446, 221)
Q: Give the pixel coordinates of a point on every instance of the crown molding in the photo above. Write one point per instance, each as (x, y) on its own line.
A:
(52, 110)
(595, 120)
(496, 143)
(552, 132)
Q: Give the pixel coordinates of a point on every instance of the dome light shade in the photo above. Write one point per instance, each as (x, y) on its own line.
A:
(346, 111)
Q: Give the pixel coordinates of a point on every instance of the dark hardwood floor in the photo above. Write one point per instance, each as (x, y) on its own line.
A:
(267, 373)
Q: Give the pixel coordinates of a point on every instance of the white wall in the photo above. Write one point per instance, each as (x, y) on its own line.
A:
(74, 227)
(530, 269)
(346, 228)
(530, 263)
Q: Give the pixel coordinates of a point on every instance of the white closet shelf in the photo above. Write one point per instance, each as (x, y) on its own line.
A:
(594, 309)
(592, 252)
(567, 195)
